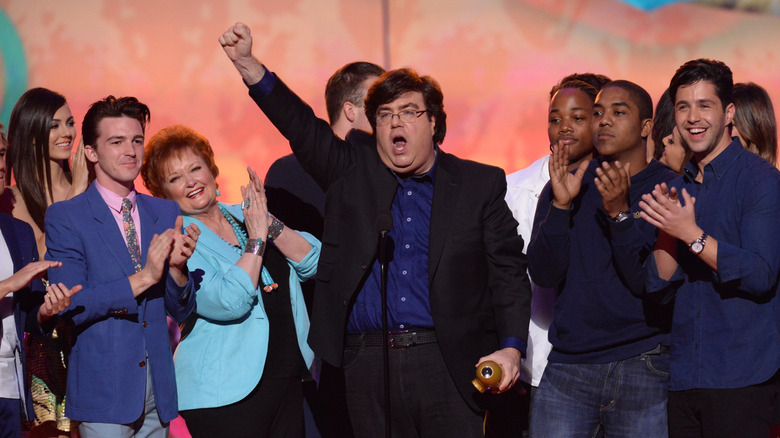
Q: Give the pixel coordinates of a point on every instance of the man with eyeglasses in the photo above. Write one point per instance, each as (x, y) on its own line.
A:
(457, 289)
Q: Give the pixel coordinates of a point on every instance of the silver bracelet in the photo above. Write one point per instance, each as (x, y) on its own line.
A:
(256, 247)
(275, 229)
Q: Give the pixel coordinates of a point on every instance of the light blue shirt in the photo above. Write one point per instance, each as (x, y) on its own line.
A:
(222, 359)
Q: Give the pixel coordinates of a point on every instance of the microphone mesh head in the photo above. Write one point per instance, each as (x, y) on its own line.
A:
(384, 222)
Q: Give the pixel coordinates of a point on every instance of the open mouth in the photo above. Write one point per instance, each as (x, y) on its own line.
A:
(696, 133)
(195, 193)
(399, 143)
(63, 144)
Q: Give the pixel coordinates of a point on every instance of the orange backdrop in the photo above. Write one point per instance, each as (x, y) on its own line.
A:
(496, 60)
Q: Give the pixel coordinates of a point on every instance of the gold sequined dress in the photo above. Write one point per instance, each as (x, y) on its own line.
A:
(47, 371)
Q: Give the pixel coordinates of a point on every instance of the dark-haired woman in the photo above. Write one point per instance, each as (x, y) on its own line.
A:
(754, 121)
(41, 135)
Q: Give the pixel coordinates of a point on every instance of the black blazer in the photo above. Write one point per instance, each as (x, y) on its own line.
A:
(479, 290)
(20, 240)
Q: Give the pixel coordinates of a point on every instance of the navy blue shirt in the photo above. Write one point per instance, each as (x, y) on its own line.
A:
(407, 274)
(597, 266)
(726, 327)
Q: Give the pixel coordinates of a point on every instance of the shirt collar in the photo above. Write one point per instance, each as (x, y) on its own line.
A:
(720, 164)
(113, 200)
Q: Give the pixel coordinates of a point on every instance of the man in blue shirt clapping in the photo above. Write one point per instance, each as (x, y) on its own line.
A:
(718, 255)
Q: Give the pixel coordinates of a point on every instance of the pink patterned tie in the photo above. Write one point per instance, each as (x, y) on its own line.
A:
(130, 234)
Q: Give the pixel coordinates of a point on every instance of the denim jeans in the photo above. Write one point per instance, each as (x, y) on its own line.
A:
(626, 398)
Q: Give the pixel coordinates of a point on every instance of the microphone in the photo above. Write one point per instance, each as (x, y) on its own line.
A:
(384, 222)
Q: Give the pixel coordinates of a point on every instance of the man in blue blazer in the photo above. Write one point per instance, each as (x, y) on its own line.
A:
(21, 303)
(128, 252)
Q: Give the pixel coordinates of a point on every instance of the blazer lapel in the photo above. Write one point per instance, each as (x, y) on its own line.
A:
(12, 242)
(106, 228)
(149, 224)
(445, 197)
(387, 185)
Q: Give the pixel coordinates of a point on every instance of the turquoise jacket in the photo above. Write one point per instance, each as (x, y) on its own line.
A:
(221, 360)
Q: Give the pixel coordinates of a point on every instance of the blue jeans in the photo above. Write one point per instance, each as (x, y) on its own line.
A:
(626, 398)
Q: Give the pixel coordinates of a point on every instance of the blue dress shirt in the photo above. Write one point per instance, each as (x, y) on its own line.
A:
(407, 274)
(726, 327)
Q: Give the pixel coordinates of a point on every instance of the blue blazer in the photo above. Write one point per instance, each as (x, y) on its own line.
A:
(114, 331)
(20, 239)
(222, 359)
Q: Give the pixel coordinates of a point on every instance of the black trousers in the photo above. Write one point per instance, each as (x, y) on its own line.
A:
(274, 409)
(424, 400)
(714, 413)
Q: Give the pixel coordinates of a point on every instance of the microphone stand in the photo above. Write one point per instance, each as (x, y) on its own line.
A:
(383, 259)
(384, 222)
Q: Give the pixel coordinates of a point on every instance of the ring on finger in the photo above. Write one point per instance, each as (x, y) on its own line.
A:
(245, 204)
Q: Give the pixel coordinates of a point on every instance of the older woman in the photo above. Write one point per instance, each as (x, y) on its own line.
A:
(240, 361)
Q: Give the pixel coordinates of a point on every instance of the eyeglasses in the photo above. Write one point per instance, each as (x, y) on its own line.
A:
(406, 116)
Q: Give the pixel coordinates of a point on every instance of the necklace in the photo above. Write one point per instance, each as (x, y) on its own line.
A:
(268, 282)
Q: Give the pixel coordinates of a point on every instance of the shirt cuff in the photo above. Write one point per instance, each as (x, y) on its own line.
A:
(558, 218)
(654, 283)
(263, 87)
(623, 232)
(514, 342)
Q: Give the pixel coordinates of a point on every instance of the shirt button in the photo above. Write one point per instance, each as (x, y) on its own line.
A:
(363, 267)
(404, 272)
(402, 326)
(144, 324)
(142, 363)
(408, 219)
(403, 299)
(407, 246)
(409, 193)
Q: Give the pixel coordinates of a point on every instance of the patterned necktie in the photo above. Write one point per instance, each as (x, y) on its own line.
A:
(130, 234)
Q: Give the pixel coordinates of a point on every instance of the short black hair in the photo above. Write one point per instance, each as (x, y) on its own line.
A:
(112, 107)
(640, 96)
(586, 88)
(391, 85)
(596, 81)
(344, 86)
(716, 72)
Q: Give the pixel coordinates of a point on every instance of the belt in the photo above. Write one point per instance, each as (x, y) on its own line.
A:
(402, 339)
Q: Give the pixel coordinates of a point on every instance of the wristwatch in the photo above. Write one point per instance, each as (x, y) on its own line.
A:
(697, 246)
(623, 215)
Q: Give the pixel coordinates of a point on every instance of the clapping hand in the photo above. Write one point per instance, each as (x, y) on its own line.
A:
(565, 185)
(613, 181)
